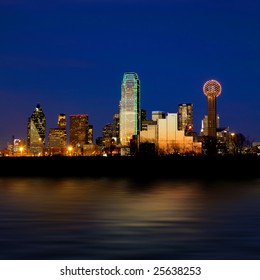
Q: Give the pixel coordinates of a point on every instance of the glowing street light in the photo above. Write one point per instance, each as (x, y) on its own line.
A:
(21, 150)
(70, 150)
(233, 142)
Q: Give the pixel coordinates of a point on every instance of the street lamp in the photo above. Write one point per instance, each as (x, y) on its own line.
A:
(233, 141)
(70, 150)
(21, 150)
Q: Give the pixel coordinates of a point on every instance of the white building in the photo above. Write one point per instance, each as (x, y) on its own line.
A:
(167, 138)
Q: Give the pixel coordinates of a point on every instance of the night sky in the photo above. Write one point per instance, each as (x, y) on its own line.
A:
(70, 56)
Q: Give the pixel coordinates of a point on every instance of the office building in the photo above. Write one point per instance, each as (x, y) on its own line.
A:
(204, 125)
(164, 134)
(130, 112)
(158, 115)
(79, 131)
(62, 123)
(185, 118)
(57, 137)
(36, 128)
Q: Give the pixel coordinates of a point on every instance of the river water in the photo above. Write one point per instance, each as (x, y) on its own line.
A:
(119, 218)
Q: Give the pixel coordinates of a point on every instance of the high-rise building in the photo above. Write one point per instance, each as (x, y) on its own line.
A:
(111, 130)
(90, 134)
(143, 115)
(204, 125)
(62, 121)
(36, 128)
(130, 112)
(185, 117)
(164, 134)
(57, 137)
(158, 115)
(79, 130)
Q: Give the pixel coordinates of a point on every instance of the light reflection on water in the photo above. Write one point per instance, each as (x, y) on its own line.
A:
(105, 218)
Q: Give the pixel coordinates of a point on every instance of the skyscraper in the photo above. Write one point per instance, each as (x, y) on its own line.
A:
(79, 130)
(111, 130)
(185, 117)
(62, 121)
(130, 113)
(57, 137)
(36, 128)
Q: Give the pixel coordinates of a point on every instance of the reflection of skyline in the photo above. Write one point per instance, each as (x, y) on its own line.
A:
(111, 218)
(119, 219)
(101, 191)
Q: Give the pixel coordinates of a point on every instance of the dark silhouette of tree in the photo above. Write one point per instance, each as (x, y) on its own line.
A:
(210, 145)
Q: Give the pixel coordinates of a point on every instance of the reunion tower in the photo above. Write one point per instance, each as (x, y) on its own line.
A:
(212, 90)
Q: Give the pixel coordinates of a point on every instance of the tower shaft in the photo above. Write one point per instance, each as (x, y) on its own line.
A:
(212, 116)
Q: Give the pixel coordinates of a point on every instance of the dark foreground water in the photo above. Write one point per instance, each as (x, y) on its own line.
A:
(90, 218)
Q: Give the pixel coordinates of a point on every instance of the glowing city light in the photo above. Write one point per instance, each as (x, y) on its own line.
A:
(212, 88)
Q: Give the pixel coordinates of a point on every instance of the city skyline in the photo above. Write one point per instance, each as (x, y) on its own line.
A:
(99, 133)
(70, 58)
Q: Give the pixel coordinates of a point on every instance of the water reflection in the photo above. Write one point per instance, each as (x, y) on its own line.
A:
(106, 218)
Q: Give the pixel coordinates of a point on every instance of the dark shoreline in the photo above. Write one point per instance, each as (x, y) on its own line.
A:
(232, 167)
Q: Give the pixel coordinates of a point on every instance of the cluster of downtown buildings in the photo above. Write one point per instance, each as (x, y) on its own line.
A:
(130, 132)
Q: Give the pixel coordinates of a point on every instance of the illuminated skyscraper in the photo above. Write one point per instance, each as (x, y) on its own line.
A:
(79, 130)
(62, 121)
(130, 113)
(212, 90)
(111, 130)
(36, 128)
(185, 117)
(57, 137)
(204, 125)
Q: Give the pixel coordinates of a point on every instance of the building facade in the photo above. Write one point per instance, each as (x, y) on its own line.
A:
(185, 118)
(130, 112)
(110, 132)
(79, 132)
(57, 137)
(62, 123)
(204, 125)
(164, 134)
(36, 129)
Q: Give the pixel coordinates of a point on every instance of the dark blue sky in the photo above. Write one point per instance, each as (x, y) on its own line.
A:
(70, 56)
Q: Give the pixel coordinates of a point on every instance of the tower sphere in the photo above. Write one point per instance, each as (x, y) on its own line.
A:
(212, 88)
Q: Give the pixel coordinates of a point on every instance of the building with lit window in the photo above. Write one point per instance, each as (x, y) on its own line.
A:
(79, 132)
(90, 134)
(158, 115)
(204, 125)
(110, 132)
(130, 113)
(185, 118)
(163, 132)
(57, 137)
(36, 128)
(62, 123)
